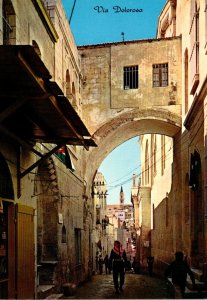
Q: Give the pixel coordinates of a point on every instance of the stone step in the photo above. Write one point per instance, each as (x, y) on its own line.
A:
(198, 273)
(44, 291)
(55, 296)
(201, 285)
(194, 294)
(199, 293)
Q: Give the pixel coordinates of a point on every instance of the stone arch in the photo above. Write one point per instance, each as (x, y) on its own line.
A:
(124, 127)
(9, 23)
(6, 185)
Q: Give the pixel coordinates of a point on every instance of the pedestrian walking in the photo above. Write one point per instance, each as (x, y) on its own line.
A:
(125, 260)
(117, 262)
(179, 269)
(100, 263)
(106, 263)
(150, 261)
(97, 265)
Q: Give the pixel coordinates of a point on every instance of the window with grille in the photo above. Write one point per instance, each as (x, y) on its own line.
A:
(160, 75)
(131, 77)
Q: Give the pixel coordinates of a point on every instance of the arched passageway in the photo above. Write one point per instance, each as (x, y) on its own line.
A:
(122, 128)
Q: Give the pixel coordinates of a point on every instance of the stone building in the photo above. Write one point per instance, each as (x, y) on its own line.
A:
(178, 211)
(121, 217)
(45, 214)
(58, 102)
(100, 216)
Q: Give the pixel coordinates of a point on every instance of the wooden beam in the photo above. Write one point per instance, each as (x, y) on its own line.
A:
(33, 118)
(45, 156)
(11, 109)
(52, 98)
(54, 102)
(19, 140)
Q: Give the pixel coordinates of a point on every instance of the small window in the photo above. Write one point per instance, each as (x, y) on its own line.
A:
(160, 75)
(130, 77)
(64, 234)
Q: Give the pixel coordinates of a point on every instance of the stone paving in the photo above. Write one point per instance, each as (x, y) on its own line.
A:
(136, 287)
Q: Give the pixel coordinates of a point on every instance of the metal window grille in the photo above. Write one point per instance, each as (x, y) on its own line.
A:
(131, 77)
(160, 75)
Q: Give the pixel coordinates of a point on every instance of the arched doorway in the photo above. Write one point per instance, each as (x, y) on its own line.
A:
(125, 126)
(196, 195)
(128, 125)
(7, 247)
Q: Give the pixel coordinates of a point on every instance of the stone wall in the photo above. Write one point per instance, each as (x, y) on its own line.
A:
(104, 96)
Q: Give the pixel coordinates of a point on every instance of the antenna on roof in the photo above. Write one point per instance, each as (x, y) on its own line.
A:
(122, 36)
(72, 11)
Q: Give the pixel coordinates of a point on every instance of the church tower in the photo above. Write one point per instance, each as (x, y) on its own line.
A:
(121, 197)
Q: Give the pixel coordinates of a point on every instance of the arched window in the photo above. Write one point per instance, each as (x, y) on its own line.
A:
(186, 79)
(9, 23)
(64, 240)
(6, 186)
(68, 84)
(194, 44)
(36, 48)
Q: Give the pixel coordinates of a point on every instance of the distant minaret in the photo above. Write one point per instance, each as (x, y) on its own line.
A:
(121, 197)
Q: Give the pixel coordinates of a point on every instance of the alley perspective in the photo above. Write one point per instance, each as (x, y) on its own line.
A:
(136, 287)
(63, 109)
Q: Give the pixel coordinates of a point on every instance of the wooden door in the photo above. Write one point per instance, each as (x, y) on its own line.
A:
(11, 252)
(25, 275)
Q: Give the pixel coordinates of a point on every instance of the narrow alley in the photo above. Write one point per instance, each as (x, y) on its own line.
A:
(136, 286)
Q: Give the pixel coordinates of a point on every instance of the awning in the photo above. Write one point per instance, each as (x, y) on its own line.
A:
(33, 108)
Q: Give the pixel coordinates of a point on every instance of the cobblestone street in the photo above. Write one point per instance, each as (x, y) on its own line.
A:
(136, 287)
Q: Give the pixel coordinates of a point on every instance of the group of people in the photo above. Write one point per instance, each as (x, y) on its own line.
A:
(100, 262)
(178, 269)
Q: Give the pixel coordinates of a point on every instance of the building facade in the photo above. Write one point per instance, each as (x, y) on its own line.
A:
(48, 157)
(100, 236)
(45, 214)
(121, 217)
(176, 190)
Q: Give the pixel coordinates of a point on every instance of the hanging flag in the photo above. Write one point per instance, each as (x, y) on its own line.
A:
(99, 244)
(64, 156)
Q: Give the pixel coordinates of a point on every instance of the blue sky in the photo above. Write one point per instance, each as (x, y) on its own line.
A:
(92, 27)
(118, 168)
(102, 21)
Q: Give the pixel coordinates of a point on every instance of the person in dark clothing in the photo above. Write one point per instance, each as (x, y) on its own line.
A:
(100, 262)
(179, 270)
(124, 256)
(117, 262)
(106, 262)
(150, 261)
